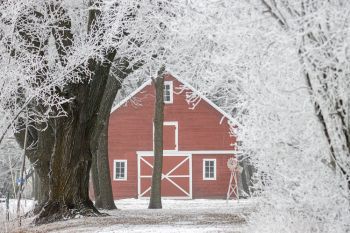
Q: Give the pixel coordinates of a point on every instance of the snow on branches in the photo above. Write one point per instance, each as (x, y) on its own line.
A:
(295, 97)
(46, 45)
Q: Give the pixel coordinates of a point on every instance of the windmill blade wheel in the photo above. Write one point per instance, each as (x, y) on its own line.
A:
(232, 163)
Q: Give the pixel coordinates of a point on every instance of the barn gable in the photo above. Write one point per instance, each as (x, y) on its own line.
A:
(186, 85)
(197, 144)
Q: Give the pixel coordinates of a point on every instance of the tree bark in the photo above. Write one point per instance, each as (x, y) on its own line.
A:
(72, 157)
(62, 157)
(95, 180)
(39, 195)
(246, 176)
(156, 198)
(99, 144)
(39, 156)
(69, 171)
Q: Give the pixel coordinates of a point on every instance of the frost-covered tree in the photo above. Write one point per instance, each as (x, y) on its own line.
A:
(293, 104)
(76, 41)
(321, 29)
(83, 42)
(29, 77)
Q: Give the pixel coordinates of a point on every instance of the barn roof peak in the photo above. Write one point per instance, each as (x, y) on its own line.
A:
(201, 95)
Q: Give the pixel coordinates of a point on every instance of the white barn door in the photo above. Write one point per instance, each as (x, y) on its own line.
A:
(176, 176)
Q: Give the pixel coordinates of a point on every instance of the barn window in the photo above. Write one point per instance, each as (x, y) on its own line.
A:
(168, 92)
(120, 169)
(209, 169)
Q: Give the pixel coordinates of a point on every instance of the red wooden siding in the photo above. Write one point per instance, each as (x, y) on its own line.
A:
(169, 132)
(125, 188)
(210, 188)
(131, 130)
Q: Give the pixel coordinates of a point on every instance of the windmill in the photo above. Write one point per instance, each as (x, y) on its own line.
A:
(232, 164)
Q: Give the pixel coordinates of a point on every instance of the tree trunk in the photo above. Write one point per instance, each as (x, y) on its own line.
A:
(75, 141)
(69, 175)
(39, 156)
(40, 193)
(246, 176)
(99, 144)
(72, 157)
(95, 180)
(62, 155)
(156, 198)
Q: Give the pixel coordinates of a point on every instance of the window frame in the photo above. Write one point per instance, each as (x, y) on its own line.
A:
(209, 178)
(170, 83)
(125, 169)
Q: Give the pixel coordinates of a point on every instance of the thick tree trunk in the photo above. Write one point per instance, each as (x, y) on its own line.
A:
(69, 174)
(63, 156)
(106, 195)
(156, 198)
(99, 144)
(71, 158)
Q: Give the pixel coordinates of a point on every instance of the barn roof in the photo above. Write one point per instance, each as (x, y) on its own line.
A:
(201, 95)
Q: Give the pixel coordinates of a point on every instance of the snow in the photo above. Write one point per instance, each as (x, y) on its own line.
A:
(26, 206)
(199, 215)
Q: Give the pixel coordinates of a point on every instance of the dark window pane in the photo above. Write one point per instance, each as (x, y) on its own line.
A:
(209, 169)
(120, 170)
(167, 92)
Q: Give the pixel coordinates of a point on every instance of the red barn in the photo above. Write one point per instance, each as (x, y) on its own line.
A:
(197, 144)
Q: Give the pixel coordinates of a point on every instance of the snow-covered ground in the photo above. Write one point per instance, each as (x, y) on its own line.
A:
(26, 206)
(193, 216)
